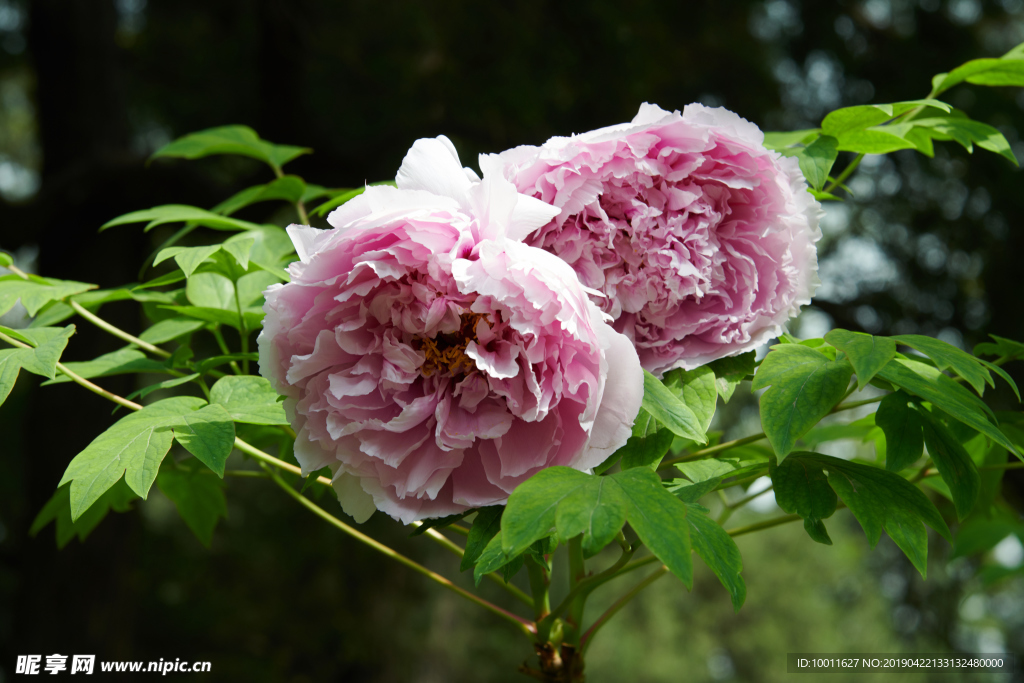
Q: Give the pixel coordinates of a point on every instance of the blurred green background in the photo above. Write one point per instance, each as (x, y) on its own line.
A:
(89, 88)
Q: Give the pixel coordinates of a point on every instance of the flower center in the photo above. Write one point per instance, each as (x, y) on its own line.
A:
(446, 353)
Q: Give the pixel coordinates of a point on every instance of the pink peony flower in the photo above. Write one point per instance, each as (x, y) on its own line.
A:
(431, 359)
(701, 240)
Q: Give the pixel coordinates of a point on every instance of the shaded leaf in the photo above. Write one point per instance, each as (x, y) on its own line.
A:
(931, 385)
(198, 497)
(719, 552)
(485, 527)
(904, 442)
(208, 434)
(732, 370)
(954, 464)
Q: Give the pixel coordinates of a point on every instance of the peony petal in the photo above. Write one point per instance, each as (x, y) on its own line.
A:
(433, 165)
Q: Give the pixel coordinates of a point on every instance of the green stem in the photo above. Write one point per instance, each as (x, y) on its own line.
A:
(224, 347)
(711, 450)
(583, 588)
(528, 628)
(300, 208)
(117, 332)
(78, 379)
(704, 452)
(433, 534)
(743, 501)
(540, 584)
(846, 173)
(767, 524)
(619, 604)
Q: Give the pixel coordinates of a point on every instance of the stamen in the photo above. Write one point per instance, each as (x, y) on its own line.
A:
(446, 353)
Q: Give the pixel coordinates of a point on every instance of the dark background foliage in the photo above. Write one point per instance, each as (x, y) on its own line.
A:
(88, 88)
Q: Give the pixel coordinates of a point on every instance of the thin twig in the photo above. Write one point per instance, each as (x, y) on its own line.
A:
(528, 628)
(116, 331)
(767, 524)
(619, 604)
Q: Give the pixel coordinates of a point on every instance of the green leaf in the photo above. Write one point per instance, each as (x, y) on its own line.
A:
(179, 213)
(967, 132)
(239, 246)
(207, 364)
(234, 139)
(493, 558)
(931, 385)
(597, 510)
(646, 451)
(947, 356)
(805, 386)
(954, 464)
(904, 443)
(802, 488)
(780, 141)
(36, 292)
(980, 534)
(211, 290)
(171, 328)
(58, 510)
(166, 279)
(485, 527)
(133, 447)
(249, 399)
(187, 258)
(251, 287)
(289, 188)
(272, 245)
(880, 500)
(1005, 71)
(1002, 373)
(668, 410)
(198, 497)
(41, 360)
(732, 370)
(121, 362)
(166, 384)
(864, 116)
(532, 507)
(824, 196)
(837, 432)
(1002, 347)
(659, 519)
(719, 552)
(816, 160)
(868, 354)
(815, 528)
(872, 141)
(208, 434)
(698, 390)
(6, 259)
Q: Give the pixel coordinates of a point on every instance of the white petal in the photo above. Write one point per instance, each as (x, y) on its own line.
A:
(530, 214)
(620, 403)
(433, 165)
(305, 239)
(310, 455)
